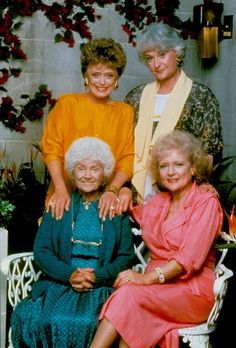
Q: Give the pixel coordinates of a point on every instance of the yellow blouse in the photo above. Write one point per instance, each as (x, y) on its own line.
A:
(75, 116)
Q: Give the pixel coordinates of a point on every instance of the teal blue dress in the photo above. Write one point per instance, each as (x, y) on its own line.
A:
(62, 317)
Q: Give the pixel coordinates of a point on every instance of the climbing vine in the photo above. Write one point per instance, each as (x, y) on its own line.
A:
(69, 17)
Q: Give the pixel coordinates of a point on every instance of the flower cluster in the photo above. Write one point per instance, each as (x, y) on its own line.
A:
(137, 15)
(13, 118)
(72, 17)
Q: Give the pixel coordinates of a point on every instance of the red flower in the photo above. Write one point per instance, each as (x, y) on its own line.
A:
(15, 72)
(19, 128)
(69, 38)
(232, 223)
(126, 29)
(6, 101)
(17, 53)
(4, 77)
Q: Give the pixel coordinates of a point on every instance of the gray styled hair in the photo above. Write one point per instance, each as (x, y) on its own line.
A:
(90, 148)
(187, 144)
(160, 36)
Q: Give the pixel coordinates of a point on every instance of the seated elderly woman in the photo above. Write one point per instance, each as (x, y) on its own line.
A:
(179, 226)
(80, 257)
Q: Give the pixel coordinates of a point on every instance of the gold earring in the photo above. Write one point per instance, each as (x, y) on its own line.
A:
(85, 82)
(179, 61)
(192, 172)
(116, 84)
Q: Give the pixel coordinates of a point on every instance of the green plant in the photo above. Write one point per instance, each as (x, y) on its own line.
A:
(6, 209)
(22, 202)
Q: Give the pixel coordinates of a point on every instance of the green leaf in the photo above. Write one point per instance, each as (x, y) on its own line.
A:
(24, 96)
(58, 38)
(17, 25)
(225, 246)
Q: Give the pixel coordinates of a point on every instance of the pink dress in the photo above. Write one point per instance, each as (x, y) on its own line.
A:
(147, 315)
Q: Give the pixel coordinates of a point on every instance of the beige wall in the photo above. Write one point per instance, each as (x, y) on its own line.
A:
(58, 66)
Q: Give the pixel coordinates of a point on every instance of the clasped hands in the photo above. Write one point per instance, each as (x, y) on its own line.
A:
(82, 279)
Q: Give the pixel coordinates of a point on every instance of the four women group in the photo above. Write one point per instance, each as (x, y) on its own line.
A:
(84, 244)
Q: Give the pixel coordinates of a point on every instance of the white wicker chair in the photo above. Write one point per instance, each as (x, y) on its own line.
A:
(3, 286)
(197, 336)
(21, 274)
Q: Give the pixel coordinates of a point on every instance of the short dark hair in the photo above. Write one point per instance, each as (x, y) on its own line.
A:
(104, 50)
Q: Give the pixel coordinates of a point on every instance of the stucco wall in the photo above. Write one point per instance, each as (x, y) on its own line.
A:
(58, 66)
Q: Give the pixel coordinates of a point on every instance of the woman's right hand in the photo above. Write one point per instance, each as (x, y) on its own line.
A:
(58, 203)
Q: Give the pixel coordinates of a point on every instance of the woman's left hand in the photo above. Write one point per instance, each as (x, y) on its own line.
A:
(124, 200)
(128, 277)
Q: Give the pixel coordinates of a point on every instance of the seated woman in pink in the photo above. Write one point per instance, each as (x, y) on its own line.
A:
(179, 226)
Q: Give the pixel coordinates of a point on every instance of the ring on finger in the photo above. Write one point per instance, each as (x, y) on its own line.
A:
(112, 208)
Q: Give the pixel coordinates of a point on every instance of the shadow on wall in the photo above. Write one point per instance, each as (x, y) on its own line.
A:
(224, 179)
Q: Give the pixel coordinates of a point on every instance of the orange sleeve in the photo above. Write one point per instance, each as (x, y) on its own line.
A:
(53, 134)
(125, 141)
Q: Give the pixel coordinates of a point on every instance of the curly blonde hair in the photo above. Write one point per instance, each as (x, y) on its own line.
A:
(187, 144)
(104, 50)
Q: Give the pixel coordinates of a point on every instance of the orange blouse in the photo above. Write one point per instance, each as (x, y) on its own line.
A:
(75, 116)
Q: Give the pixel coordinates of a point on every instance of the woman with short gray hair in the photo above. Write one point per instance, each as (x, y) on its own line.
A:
(79, 255)
(89, 148)
(163, 37)
(171, 101)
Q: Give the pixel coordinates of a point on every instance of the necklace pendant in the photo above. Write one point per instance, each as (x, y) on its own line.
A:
(86, 204)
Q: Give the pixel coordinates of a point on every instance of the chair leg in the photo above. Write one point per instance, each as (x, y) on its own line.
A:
(197, 341)
(10, 345)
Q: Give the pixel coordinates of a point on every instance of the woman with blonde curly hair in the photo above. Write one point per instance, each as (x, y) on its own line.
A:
(179, 226)
(92, 113)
